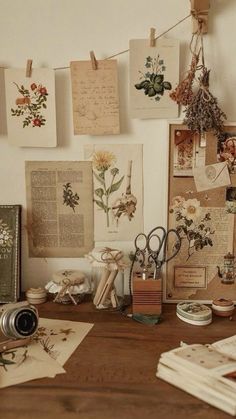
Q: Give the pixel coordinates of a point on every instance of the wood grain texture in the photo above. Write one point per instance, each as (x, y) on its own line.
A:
(111, 375)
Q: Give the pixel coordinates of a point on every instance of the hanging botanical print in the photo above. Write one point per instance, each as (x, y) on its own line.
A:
(31, 115)
(118, 195)
(154, 71)
(153, 82)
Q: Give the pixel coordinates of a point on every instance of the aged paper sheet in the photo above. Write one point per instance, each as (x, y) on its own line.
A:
(154, 71)
(25, 364)
(61, 336)
(31, 110)
(118, 190)
(95, 97)
(59, 208)
(51, 347)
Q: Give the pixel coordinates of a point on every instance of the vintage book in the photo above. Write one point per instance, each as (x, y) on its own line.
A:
(9, 253)
(205, 371)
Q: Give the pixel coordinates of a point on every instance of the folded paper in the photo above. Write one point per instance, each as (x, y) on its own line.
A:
(211, 176)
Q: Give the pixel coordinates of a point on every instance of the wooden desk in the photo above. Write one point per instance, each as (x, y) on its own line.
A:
(111, 375)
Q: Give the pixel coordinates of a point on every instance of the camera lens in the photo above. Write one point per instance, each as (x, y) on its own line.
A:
(26, 322)
(19, 323)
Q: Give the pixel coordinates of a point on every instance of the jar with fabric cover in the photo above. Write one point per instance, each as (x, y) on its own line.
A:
(69, 286)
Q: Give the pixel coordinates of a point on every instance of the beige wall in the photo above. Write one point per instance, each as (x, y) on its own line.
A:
(53, 32)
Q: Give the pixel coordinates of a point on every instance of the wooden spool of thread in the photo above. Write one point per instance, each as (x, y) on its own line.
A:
(36, 295)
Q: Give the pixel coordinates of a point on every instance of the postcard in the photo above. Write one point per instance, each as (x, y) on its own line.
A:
(154, 71)
(211, 176)
(31, 107)
(95, 97)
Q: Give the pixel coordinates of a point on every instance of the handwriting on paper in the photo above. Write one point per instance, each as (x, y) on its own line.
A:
(95, 97)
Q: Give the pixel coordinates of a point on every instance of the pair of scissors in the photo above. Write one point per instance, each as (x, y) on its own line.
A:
(154, 247)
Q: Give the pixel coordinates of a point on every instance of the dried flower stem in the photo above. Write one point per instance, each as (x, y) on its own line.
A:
(203, 113)
(183, 93)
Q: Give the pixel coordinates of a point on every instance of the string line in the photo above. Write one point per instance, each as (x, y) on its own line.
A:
(127, 50)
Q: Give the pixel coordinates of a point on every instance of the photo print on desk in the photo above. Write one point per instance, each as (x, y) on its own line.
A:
(59, 208)
(118, 190)
(154, 71)
(31, 109)
(95, 97)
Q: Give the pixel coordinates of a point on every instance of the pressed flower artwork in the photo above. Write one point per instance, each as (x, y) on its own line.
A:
(154, 71)
(30, 104)
(193, 224)
(118, 200)
(152, 81)
(31, 113)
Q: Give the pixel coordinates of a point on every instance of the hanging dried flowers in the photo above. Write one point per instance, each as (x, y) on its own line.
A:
(183, 93)
(203, 113)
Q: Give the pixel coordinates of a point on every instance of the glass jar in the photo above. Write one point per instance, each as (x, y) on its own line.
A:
(108, 288)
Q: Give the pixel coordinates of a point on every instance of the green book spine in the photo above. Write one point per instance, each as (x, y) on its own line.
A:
(10, 249)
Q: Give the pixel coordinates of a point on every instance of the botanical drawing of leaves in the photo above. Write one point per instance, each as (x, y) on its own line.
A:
(99, 179)
(100, 204)
(115, 186)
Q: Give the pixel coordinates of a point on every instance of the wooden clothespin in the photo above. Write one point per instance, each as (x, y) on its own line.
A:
(29, 68)
(199, 11)
(93, 61)
(152, 37)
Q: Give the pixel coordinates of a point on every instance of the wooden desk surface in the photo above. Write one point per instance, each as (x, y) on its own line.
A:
(112, 373)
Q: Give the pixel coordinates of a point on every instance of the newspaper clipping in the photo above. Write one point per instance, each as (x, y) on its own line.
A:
(59, 208)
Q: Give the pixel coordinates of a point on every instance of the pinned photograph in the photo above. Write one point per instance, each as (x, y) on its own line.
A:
(226, 150)
(231, 200)
(188, 152)
(211, 176)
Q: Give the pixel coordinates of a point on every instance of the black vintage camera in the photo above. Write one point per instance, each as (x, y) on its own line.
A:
(18, 322)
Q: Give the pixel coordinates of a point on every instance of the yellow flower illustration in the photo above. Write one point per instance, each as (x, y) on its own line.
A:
(102, 160)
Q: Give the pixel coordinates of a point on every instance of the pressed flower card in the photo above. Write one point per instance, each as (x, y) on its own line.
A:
(31, 110)
(118, 190)
(95, 97)
(154, 72)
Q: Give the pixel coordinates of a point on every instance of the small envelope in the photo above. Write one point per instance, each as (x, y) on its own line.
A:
(211, 176)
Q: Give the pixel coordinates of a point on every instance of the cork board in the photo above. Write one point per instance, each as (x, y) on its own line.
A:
(204, 219)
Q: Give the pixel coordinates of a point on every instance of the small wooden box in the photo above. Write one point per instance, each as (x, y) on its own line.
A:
(147, 295)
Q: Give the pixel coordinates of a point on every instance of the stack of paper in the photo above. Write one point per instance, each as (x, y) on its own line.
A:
(205, 371)
(53, 344)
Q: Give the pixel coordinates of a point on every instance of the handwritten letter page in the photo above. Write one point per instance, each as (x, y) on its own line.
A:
(95, 97)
